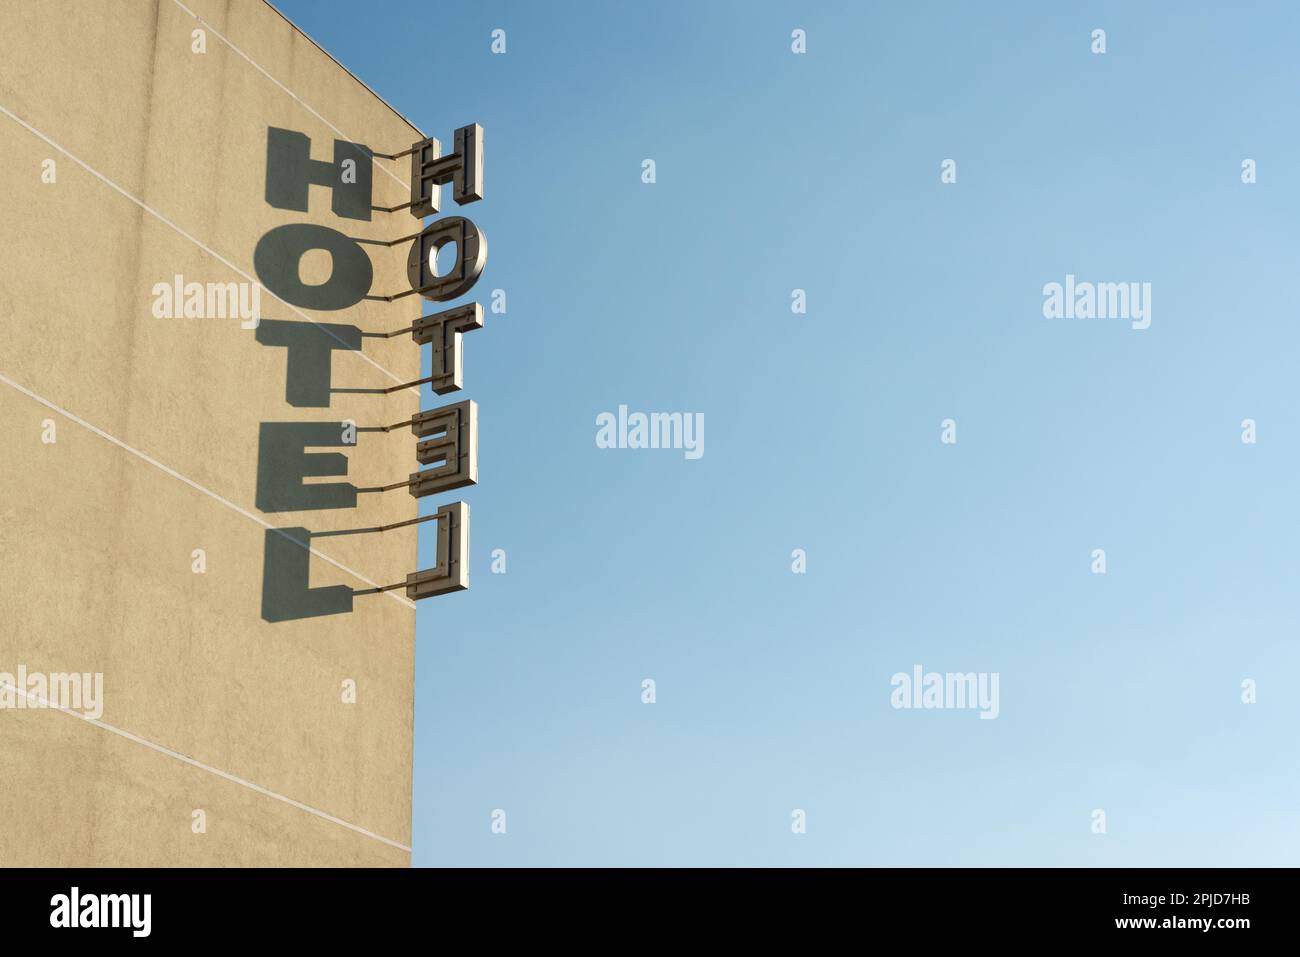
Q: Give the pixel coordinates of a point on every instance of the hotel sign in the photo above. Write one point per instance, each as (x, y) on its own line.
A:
(446, 437)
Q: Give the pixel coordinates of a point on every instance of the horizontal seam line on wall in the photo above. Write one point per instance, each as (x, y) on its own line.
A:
(211, 252)
(195, 485)
(307, 106)
(206, 767)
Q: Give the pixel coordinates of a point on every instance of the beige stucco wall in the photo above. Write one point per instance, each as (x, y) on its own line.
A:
(96, 539)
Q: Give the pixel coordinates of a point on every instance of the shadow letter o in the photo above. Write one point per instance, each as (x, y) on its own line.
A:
(279, 252)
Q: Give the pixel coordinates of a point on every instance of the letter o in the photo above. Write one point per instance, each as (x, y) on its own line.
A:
(471, 257)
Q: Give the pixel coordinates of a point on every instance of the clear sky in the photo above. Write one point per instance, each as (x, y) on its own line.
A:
(821, 171)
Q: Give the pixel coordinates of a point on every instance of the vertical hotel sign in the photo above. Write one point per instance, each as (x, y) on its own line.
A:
(447, 437)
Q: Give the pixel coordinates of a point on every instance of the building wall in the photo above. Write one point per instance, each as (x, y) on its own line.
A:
(207, 704)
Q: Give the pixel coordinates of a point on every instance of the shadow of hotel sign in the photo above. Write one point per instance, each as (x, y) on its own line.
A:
(447, 436)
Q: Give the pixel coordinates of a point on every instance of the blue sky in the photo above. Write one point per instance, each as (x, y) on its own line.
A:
(821, 171)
